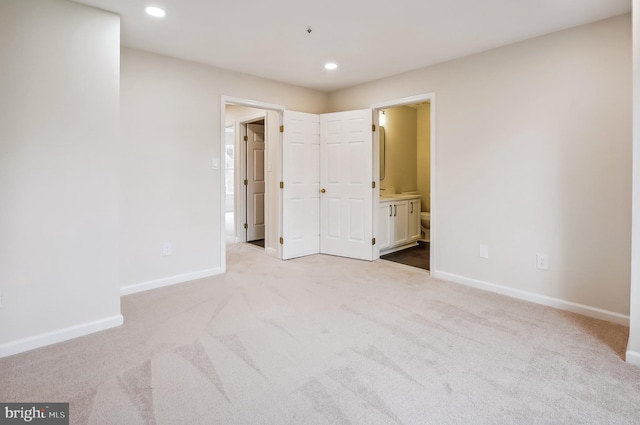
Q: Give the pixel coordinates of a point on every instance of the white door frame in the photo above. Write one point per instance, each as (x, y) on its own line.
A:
(217, 160)
(376, 107)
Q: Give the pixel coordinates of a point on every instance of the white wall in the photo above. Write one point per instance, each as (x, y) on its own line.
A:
(633, 348)
(59, 88)
(533, 155)
(170, 116)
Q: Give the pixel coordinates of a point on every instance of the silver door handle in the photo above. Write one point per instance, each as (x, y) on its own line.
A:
(390, 210)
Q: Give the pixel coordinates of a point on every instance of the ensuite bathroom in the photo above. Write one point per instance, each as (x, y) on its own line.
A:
(405, 181)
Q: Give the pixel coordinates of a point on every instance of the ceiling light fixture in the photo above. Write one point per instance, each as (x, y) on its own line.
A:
(331, 66)
(156, 12)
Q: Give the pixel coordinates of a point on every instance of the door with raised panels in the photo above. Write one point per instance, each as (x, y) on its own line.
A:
(301, 184)
(255, 182)
(346, 176)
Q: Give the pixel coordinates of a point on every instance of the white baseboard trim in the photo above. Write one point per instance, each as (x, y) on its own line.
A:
(37, 341)
(585, 310)
(167, 281)
(633, 357)
(272, 252)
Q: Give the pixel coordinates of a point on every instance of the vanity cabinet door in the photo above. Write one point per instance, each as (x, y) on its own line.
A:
(385, 225)
(414, 219)
(400, 223)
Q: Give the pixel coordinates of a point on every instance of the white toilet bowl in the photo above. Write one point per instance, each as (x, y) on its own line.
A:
(425, 225)
(425, 219)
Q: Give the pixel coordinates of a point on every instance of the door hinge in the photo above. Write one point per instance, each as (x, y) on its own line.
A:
(281, 185)
(246, 139)
(373, 127)
(281, 241)
(246, 226)
(373, 241)
(373, 185)
(282, 129)
(246, 182)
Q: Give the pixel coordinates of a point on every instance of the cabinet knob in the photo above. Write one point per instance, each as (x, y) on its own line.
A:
(323, 190)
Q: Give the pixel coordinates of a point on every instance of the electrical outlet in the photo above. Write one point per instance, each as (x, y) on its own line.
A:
(167, 249)
(542, 262)
(484, 251)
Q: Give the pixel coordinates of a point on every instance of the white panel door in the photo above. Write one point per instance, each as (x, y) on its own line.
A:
(346, 174)
(301, 178)
(255, 182)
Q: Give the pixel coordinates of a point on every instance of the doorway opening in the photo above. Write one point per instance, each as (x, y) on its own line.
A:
(249, 210)
(406, 180)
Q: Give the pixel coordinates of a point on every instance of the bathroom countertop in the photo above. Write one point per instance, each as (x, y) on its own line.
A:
(398, 197)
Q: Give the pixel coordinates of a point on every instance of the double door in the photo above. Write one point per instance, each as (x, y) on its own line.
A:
(327, 190)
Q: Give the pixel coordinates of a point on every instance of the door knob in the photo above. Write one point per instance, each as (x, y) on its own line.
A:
(323, 190)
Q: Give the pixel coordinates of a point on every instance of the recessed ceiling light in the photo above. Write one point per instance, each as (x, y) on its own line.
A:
(331, 66)
(156, 12)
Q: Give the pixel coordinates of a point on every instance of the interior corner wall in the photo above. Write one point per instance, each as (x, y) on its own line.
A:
(400, 150)
(170, 131)
(423, 118)
(633, 347)
(59, 89)
(533, 155)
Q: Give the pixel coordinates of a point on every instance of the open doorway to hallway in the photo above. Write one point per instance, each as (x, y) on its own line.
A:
(245, 174)
(251, 204)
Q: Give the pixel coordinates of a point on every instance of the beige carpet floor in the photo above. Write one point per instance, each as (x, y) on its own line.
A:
(327, 340)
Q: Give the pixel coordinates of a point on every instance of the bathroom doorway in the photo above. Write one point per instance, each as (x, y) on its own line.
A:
(406, 169)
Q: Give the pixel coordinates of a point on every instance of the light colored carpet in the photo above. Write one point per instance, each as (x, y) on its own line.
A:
(327, 340)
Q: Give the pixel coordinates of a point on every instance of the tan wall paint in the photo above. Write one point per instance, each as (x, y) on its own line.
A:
(423, 118)
(400, 150)
(543, 166)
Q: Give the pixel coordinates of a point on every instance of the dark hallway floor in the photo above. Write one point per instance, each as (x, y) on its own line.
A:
(417, 256)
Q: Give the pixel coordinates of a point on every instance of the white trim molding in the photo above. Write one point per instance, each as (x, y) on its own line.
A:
(633, 358)
(168, 281)
(582, 309)
(37, 341)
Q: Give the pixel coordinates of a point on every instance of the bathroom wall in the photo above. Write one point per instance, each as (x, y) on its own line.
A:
(423, 116)
(400, 150)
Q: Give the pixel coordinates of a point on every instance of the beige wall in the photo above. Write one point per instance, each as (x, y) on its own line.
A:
(170, 119)
(400, 150)
(633, 348)
(423, 118)
(59, 89)
(533, 156)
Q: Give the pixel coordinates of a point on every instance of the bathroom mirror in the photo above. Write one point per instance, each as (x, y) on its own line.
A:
(382, 148)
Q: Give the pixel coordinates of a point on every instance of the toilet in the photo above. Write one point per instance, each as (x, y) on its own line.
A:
(425, 225)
